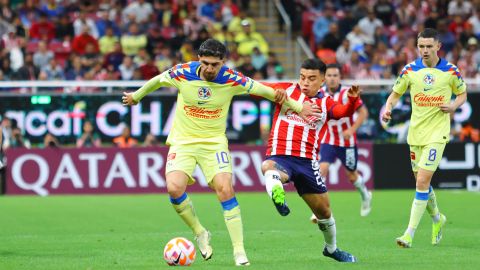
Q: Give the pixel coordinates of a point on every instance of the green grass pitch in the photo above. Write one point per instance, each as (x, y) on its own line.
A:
(129, 232)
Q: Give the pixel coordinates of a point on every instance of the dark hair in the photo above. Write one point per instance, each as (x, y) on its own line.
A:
(314, 63)
(212, 47)
(335, 65)
(428, 33)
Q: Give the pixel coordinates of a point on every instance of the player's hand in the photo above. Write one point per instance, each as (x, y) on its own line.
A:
(354, 91)
(310, 111)
(127, 99)
(387, 116)
(448, 108)
(347, 134)
(280, 96)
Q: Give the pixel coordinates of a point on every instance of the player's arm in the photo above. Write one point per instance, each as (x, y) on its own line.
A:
(459, 88)
(304, 110)
(362, 115)
(401, 85)
(338, 110)
(162, 80)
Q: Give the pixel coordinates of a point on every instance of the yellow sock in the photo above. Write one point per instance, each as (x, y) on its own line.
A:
(233, 220)
(418, 208)
(184, 207)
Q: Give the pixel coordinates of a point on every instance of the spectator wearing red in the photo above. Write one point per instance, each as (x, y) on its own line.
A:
(80, 42)
(42, 29)
(149, 69)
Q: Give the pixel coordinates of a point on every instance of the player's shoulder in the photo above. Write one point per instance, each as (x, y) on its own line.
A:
(412, 67)
(228, 75)
(185, 71)
(448, 67)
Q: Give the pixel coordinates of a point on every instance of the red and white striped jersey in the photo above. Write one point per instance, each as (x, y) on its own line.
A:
(290, 134)
(334, 135)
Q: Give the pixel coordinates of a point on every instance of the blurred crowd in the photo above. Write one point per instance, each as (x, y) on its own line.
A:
(124, 40)
(374, 39)
(137, 39)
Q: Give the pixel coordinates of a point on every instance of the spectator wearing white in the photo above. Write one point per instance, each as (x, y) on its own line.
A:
(127, 68)
(459, 7)
(83, 21)
(141, 9)
(357, 38)
(369, 24)
(42, 56)
(474, 20)
(344, 52)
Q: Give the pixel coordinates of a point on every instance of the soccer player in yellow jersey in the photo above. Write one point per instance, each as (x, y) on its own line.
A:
(432, 81)
(205, 91)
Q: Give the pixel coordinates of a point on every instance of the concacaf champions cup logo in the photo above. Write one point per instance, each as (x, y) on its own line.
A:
(204, 93)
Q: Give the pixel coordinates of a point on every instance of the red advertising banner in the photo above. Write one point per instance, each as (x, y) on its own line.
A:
(137, 170)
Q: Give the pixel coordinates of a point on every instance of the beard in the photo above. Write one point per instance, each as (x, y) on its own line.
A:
(209, 76)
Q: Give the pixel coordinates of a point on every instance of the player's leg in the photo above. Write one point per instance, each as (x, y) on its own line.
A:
(425, 161)
(349, 158)
(275, 175)
(215, 162)
(311, 187)
(327, 157)
(320, 206)
(180, 165)
(222, 184)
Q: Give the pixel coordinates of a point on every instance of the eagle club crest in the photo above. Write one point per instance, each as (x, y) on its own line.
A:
(429, 79)
(204, 93)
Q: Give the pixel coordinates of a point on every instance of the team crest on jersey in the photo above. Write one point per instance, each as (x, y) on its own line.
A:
(204, 93)
(429, 79)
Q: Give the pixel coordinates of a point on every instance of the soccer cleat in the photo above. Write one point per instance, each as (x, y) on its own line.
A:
(278, 198)
(339, 255)
(437, 229)
(241, 259)
(366, 205)
(404, 241)
(203, 242)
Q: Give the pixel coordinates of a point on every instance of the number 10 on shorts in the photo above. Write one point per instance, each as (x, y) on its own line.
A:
(222, 159)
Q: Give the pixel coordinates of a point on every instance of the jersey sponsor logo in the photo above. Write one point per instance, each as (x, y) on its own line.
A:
(426, 89)
(204, 93)
(202, 102)
(429, 79)
(202, 113)
(424, 100)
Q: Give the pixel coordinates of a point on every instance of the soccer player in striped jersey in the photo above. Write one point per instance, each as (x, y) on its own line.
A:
(292, 153)
(432, 81)
(340, 141)
(205, 91)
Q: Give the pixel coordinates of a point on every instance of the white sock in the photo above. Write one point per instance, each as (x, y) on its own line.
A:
(360, 185)
(410, 231)
(329, 230)
(272, 178)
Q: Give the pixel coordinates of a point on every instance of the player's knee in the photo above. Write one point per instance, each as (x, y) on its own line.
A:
(323, 213)
(224, 192)
(174, 189)
(267, 165)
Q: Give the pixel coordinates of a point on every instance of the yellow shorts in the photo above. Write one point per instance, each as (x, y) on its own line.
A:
(427, 157)
(213, 158)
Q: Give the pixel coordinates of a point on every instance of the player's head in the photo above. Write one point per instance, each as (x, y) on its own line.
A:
(211, 56)
(312, 75)
(428, 45)
(332, 77)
